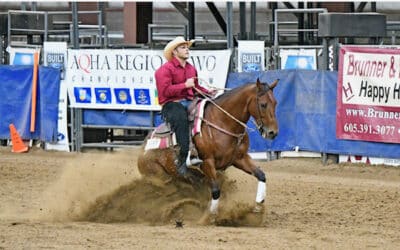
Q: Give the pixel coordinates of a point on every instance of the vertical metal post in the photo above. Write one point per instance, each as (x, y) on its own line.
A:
(46, 26)
(73, 133)
(336, 49)
(276, 32)
(310, 24)
(373, 6)
(76, 113)
(2, 61)
(191, 20)
(23, 5)
(253, 21)
(75, 28)
(9, 28)
(242, 17)
(33, 6)
(100, 8)
(229, 33)
(325, 51)
(300, 24)
(276, 41)
(271, 28)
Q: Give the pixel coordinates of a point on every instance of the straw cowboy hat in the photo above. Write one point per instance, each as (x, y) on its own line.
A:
(173, 44)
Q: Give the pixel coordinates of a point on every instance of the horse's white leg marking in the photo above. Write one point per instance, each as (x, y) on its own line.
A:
(214, 206)
(261, 191)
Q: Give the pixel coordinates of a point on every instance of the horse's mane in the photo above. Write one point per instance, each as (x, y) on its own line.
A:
(228, 94)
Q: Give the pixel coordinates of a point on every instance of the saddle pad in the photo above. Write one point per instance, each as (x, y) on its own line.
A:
(160, 142)
(199, 117)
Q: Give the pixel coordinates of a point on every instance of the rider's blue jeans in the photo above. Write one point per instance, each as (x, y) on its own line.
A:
(175, 113)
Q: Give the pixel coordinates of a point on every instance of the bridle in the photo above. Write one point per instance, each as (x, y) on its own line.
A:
(265, 90)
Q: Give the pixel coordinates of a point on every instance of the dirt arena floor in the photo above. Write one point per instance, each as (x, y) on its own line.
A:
(97, 200)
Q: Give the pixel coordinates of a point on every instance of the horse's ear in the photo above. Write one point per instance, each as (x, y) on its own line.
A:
(273, 85)
(258, 83)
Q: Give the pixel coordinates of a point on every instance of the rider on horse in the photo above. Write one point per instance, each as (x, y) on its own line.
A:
(175, 81)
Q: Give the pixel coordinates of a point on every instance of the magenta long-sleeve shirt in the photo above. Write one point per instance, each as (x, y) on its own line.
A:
(170, 81)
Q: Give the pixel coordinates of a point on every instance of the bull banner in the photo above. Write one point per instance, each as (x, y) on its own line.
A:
(368, 94)
(124, 79)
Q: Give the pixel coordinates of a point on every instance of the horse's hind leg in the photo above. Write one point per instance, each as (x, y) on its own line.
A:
(247, 165)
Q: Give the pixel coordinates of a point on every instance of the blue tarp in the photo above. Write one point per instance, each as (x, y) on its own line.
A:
(306, 113)
(15, 102)
(120, 118)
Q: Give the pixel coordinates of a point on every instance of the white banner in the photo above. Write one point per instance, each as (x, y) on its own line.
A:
(298, 59)
(124, 79)
(251, 56)
(368, 100)
(371, 77)
(55, 55)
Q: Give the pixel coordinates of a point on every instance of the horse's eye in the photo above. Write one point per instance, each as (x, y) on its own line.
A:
(263, 105)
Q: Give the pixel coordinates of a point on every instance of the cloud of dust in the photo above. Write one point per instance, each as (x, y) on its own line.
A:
(107, 187)
(84, 179)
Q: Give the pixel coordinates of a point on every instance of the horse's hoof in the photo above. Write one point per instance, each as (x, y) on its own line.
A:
(258, 208)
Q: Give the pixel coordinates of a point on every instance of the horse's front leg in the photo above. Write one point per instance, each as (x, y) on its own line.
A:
(247, 165)
(209, 170)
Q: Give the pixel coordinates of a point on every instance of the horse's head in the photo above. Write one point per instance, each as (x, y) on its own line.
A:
(264, 112)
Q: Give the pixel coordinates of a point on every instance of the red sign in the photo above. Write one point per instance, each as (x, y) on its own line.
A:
(368, 94)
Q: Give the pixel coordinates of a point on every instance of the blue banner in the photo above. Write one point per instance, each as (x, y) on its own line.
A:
(15, 102)
(306, 113)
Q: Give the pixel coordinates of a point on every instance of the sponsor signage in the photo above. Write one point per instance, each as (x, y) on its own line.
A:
(368, 94)
(124, 79)
(251, 56)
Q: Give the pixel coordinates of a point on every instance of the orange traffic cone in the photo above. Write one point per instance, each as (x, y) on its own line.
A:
(18, 145)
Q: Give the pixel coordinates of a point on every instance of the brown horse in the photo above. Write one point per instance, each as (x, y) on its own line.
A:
(223, 140)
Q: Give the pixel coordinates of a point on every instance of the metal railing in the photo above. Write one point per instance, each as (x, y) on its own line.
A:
(276, 22)
(50, 23)
(169, 32)
(393, 30)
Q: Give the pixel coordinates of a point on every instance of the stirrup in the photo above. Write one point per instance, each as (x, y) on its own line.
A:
(196, 161)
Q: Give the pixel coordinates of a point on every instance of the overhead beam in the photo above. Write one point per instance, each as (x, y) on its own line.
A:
(290, 6)
(361, 7)
(220, 20)
(181, 7)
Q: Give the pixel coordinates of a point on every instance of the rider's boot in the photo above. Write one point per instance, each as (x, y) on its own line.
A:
(181, 166)
(182, 169)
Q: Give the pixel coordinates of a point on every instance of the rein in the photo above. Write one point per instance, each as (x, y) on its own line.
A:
(220, 108)
(227, 113)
